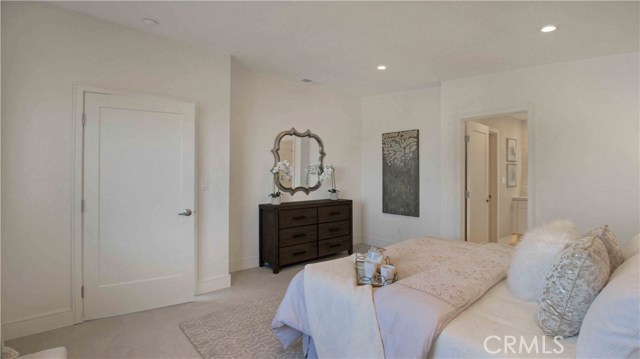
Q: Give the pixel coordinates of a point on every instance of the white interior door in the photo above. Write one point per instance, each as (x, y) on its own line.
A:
(139, 174)
(494, 195)
(477, 182)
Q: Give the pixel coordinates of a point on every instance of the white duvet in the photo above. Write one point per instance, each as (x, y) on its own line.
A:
(335, 306)
(498, 314)
(440, 279)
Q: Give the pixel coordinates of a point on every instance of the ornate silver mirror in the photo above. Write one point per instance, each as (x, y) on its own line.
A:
(303, 153)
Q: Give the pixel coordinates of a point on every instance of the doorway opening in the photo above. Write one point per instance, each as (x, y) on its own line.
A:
(496, 178)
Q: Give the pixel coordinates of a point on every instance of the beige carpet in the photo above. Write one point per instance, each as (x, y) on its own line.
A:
(156, 333)
(240, 332)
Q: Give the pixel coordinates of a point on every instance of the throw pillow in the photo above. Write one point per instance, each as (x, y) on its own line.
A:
(610, 243)
(611, 327)
(575, 279)
(534, 256)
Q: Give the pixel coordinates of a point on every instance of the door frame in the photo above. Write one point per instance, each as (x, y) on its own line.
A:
(494, 185)
(461, 132)
(77, 185)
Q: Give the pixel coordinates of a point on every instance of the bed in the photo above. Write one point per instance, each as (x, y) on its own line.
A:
(462, 332)
(500, 313)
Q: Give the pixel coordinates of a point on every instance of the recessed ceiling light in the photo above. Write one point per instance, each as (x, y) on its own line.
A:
(548, 28)
(382, 67)
(306, 80)
(150, 22)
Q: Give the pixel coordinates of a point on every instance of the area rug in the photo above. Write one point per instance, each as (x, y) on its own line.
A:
(240, 332)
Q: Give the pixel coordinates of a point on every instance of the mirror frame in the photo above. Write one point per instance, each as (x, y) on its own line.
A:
(276, 148)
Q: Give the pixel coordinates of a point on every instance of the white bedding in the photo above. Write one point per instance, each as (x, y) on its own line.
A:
(498, 313)
(337, 305)
(442, 279)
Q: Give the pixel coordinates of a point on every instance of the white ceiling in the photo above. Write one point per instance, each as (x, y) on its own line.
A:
(421, 43)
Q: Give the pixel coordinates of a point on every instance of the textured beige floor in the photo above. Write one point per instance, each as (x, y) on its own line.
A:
(155, 333)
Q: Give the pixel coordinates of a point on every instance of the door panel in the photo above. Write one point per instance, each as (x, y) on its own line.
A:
(494, 222)
(139, 173)
(477, 182)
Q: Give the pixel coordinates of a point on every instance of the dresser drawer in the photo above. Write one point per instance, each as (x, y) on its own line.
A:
(333, 213)
(334, 229)
(298, 217)
(298, 253)
(298, 235)
(334, 245)
(292, 232)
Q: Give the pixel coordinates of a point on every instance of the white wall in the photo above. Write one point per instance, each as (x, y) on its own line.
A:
(263, 106)
(420, 110)
(508, 127)
(45, 51)
(585, 148)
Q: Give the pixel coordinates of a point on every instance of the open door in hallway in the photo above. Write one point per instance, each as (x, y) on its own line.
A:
(477, 182)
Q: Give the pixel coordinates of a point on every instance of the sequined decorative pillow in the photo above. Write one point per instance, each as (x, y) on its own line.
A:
(616, 257)
(574, 281)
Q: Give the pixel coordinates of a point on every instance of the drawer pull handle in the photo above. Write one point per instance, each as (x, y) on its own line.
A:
(299, 235)
(334, 245)
(334, 213)
(299, 253)
(299, 218)
(334, 229)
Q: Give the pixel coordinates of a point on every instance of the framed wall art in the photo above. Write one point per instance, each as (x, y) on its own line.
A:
(512, 175)
(400, 173)
(512, 150)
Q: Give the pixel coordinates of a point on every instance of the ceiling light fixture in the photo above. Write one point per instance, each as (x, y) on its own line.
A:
(150, 22)
(306, 80)
(382, 67)
(549, 28)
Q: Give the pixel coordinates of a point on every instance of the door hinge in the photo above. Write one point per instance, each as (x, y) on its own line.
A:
(467, 194)
(82, 205)
(84, 119)
(82, 292)
(466, 138)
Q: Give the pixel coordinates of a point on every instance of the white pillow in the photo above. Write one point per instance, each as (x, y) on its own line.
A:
(632, 247)
(534, 256)
(611, 328)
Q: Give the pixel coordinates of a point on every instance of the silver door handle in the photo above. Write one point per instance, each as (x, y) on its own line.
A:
(187, 212)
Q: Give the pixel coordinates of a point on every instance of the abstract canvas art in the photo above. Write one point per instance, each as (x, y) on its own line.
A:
(400, 173)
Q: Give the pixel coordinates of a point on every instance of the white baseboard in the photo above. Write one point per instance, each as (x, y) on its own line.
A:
(37, 324)
(212, 284)
(64, 318)
(246, 263)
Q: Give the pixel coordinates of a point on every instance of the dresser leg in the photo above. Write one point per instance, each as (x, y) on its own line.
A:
(276, 269)
(350, 251)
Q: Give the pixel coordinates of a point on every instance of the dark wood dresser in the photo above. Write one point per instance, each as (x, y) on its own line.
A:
(293, 232)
